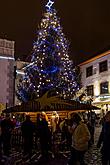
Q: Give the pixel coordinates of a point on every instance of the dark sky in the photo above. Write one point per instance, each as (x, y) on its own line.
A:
(85, 23)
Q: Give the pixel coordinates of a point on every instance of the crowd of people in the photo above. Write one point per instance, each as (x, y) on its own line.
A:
(77, 132)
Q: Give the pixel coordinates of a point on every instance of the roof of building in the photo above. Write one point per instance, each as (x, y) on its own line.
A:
(94, 58)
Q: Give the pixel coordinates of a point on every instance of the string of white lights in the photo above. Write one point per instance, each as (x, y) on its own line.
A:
(7, 58)
(20, 72)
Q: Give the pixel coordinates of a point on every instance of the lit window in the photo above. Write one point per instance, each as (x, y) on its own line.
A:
(90, 90)
(104, 88)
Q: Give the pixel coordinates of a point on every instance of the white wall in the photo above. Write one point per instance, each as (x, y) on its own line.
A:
(97, 77)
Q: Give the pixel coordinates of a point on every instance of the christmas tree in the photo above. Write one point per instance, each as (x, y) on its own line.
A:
(50, 68)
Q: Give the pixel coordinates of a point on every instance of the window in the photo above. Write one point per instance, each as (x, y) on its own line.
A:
(89, 71)
(103, 66)
(90, 90)
(104, 88)
(94, 70)
(1, 43)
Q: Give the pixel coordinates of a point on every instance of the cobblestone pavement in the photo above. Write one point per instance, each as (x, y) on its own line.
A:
(92, 157)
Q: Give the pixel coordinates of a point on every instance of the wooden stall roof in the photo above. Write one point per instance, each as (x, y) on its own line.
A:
(34, 106)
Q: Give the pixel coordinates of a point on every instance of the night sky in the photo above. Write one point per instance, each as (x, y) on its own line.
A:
(85, 23)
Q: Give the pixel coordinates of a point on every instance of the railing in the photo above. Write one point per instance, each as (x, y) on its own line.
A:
(57, 145)
(16, 139)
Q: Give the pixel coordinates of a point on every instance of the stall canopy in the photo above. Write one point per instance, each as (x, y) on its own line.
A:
(50, 103)
(35, 106)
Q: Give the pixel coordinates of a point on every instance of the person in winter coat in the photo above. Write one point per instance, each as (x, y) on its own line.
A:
(104, 140)
(6, 130)
(65, 134)
(44, 135)
(92, 122)
(80, 138)
(27, 129)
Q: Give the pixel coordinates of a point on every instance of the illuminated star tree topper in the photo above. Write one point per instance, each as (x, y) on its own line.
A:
(49, 4)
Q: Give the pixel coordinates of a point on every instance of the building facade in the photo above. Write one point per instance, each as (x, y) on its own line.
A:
(20, 67)
(95, 78)
(7, 63)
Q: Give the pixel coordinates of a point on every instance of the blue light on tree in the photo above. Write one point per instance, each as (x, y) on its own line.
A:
(50, 70)
(50, 66)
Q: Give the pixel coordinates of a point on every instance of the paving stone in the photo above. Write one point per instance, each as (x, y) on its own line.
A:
(92, 156)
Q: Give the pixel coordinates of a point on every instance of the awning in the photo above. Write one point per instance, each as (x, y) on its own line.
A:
(34, 106)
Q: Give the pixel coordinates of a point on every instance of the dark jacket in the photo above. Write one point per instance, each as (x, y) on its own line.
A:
(104, 138)
(27, 128)
(6, 127)
(43, 129)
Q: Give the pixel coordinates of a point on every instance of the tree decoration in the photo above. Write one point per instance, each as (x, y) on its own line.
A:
(50, 67)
